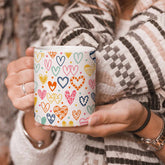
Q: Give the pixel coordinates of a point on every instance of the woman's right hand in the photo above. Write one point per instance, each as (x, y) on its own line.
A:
(20, 72)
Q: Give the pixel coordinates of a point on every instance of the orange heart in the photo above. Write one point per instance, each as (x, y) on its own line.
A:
(52, 54)
(52, 86)
(60, 112)
(76, 114)
(82, 78)
(45, 107)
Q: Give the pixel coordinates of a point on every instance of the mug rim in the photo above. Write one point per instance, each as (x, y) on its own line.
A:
(65, 48)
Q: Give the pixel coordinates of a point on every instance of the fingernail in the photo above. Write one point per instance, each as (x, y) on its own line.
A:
(93, 121)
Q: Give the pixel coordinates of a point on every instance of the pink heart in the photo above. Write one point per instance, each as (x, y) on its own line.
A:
(42, 94)
(74, 70)
(66, 69)
(70, 98)
(92, 83)
(47, 64)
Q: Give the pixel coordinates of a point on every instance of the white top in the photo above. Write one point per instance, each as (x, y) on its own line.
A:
(70, 144)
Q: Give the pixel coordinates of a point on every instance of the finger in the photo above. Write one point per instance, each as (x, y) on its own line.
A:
(95, 131)
(20, 64)
(22, 77)
(104, 115)
(30, 51)
(29, 89)
(25, 102)
(17, 91)
(81, 129)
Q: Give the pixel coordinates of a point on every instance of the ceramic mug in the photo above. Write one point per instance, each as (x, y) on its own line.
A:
(64, 78)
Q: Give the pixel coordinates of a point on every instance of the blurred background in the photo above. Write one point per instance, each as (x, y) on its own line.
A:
(19, 26)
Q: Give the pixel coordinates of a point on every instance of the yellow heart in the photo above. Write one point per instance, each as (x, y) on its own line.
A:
(35, 101)
(89, 69)
(68, 54)
(58, 98)
(50, 97)
(38, 56)
(43, 78)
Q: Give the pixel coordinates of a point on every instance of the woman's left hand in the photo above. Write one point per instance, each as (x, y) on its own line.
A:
(125, 115)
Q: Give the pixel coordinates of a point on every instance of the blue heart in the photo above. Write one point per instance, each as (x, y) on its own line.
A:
(93, 96)
(93, 56)
(83, 100)
(51, 118)
(63, 81)
(60, 60)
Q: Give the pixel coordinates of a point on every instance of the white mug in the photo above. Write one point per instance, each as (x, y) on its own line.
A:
(65, 87)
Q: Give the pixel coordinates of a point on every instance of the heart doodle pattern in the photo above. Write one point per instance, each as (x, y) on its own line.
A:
(64, 86)
(92, 83)
(60, 112)
(63, 81)
(38, 56)
(84, 100)
(52, 86)
(58, 98)
(70, 97)
(52, 54)
(36, 67)
(51, 97)
(90, 109)
(76, 114)
(89, 69)
(45, 107)
(60, 60)
(47, 64)
(68, 54)
(50, 117)
(93, 96)
(41, 93)
(43, 78)
(35, 86)
(83, 121)
(78, 57)
(35, 101)
(55, 70)
(77, 82)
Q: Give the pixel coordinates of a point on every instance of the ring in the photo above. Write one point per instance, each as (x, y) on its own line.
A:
(24, 90)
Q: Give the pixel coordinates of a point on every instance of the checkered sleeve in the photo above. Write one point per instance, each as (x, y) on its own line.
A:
(133, 64)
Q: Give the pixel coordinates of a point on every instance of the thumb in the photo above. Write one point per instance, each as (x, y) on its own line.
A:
(30, 51)
(101, 116)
